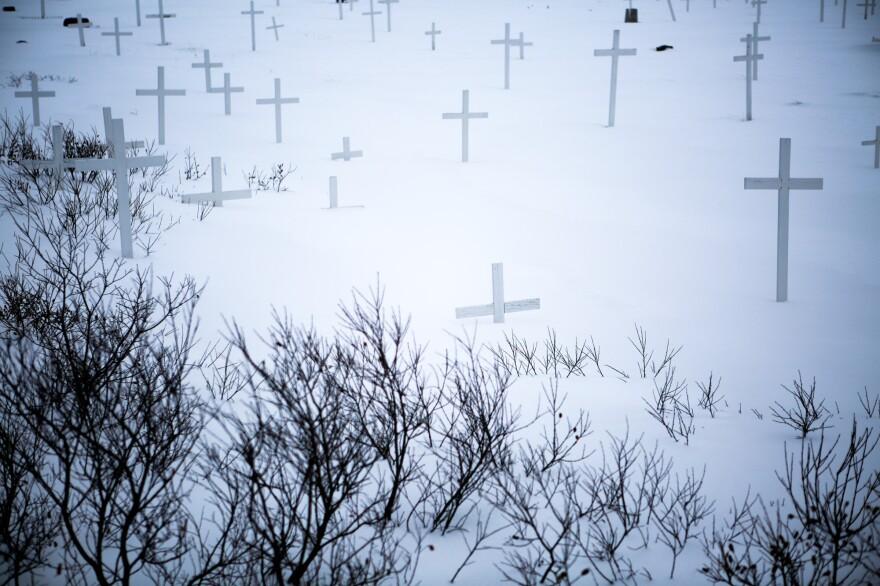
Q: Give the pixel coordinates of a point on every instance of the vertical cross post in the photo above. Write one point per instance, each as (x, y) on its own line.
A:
(372, 14)
(217, 195)
(388, 4)
(498, 307)
(35, 94)
(227, 90)
(758, 3)
(433, 32)
(672, 11)
(253, 14)
(42, 8)
(347, 154)
(755, 38)
(749, 58)
(465, 116)
(522, 44)
(821, 10)
(108, 132)
(161, 92)
(117, 34)
(277, 101)
(843, 21)
(334, 197)
(207, 65)
(137, 9)
(614, 53)
(782, 184)
(80, 25)
(161, 15)
(867, 5)
(507, 42)
(876, 144)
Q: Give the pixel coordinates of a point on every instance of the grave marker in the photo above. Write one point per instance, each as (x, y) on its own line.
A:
(347, 154)
(42, 8)
(433, 32)
(821, 10)
(253, 14)
(57, 163)
(783, 184)
(275, 28)
(867, 5)
(339, 6)
(161, 92)
(207, 65)
(334, 196)
(80, 25)
(108, 132)
(672, 12)
(216, 196)
(876, 143)
(758, 3)
(277, 101)
(498, 307)
(749, 57)
(35, 94)
(843, 21)
(614, 52)
(117, 34)
(754, 40)
(227, 90)
(351, 5)
(120, 165)
(137, 9)
(522, 44)
(507, 42)
(161, 15)
(372, 14)
(388, 3)
(465, 116)
(687, 6)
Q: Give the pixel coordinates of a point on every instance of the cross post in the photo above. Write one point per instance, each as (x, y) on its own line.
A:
(876, 144)
(433, 32)
(80, 25)
(161, 15)
(117, 34)
(507, 42)
(782, 184)
(161, 92)
(275, 28)
(216, 195)
(277, 101)
(372, 14)
(672, 11)
(347, 154)
(749, 58)
(108, 132)
(867, 5)
(388, 3)
(465, 116)
(35, 94)
(227, 90)
(253, 14)
(137, 8)
(758, 3)
(843, 20)
(207, 65)
(755, 38)
(614, 52)
(522, 44)
(498, 307)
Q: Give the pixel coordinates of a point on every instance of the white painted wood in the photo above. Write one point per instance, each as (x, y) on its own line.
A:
(35, 94)
(227, 90)
(108, 132)
(80, 25)
(161, 93)
(465, 116)
(207, 65)
(876, 144)
(614, 52)
(347, 154)
(749, 58)
(275, 28)
(334, 196)
(508, 43)
(433, 32)
(522, 44)
(758, 3)
(498, 307)
(253, 14)
(372, 14)
(388, 4)
(161, 16)
(672, 11)
(116, 33)
(216, 196)
(755, 39)
(57, 163)
(277, 101)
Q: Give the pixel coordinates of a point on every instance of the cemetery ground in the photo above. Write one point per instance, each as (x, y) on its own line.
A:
(279, 389)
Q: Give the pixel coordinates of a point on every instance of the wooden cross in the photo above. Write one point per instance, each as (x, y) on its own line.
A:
(334, 196)
(253, 14)
(754, 40)
(868, 4)
(372, 14)
(876, 143)
(57, 163)
(161, 16)
(758, 3)
(347, 154)
(388, 3)
(275, 28)
(522, 44)
(351, 5)
(614, 52)
(277, 101)
(465, 116)
(207, 65)
(160, 92)
(433, 32)
(749, 57)
(227, 90)
(42, 8)
(672, 11)
(35, 94)
(843, 21)
(80, 25)
(117, 34)
(120, 165)
(687, 6)
(508, 43)
(137, 8)
(216, 195)
(783, 184)
(498, 307)
(108, 132)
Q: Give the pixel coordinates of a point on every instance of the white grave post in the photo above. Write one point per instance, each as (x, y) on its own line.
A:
(339, 6)
(522, 44)
(507, 42)
(433, 32)
(498, 307)
(843, 21)
(137, 8)
(108, 132)
(35, 94)
(161, 15)
(120, 165)
(160, 92)
(57, 163)
(347, 154)
(277, 101)
(275, 28)
(253, 14)
(388, 3)
(672, 12)
(687, 6)
(755, 38)
(465, 116)
(372, 14)
(207, 65)
(80, 25)
(227, 90)
(216, 196)
(821, 10)
(334, 196)
(351, 5)
(749, 57)
(614, 52)
(117, 34)
(42, 8)
(876, 144)
(758, 3)
(783, 184)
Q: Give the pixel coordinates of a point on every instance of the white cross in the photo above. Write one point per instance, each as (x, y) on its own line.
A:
(161, 16)
(277, 101)
(522, 44)
(868, 5)
(672, 11)
(351, 5)
(498, 307)
(614, 52)
(275, 28)
(120, 165)
(687, 6)
(465, 116)
(216, 195)
(372, 14)
(81, 25)
(35, 94)
(433, 32)
(57, 163)
(227, 90)
(876, 143)
(843, 20)
(253, 13)
(207, 65)
(754, 40)
(347, 154)
(137, 8)
(334, 196)
(749, 58)
(160, 92)
(117, 34)
(630, 4)
(783, 184)
(508, 43)
(388, 3)
(758, 3)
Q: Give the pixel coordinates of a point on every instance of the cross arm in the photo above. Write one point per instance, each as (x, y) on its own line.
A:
(215, 197)
(474, 311)
(521, 305)
(113, 164)
(762, 183)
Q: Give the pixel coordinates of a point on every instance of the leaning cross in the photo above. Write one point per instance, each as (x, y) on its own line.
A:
(116, 33)
(614, 52)
(216, 195)
(161, 16)
(347, 154)
(108, 132)
(120, 165)
(498, 307)
(433, 32)
(160, 92)
(507, 42)
(35, 94)
(275, 28)
(522, 44)
(80, 25)
(277, 101)
(783, 184)
(372, 14)
(228, 90)
(754, 40)
(253, 14)
(207, 65)
(749, 57)
(388, 10)
(465, 116)
(876, 143)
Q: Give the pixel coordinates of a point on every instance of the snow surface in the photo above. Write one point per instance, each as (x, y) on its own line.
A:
(645, 223)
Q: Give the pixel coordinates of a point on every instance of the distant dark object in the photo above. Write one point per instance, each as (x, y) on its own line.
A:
(9, 9)
(631, 15)
(72, 20)
(20, 42)
(664, 47)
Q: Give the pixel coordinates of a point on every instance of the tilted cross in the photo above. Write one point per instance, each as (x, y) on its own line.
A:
(782, 184)
(347, 154)
(116, 33)
(161, 15)
(108, 132)
(207, 65)
(433, 32)
(275, 28)
(160, 92)
(508, 43)
(465, 116)
(216, 195)
(614, 52)
(876, 144)
(754, 38)
(35, 94)
(277, 101)
(253, 14)
(80, 25)
(749, 58)
(498, 307)
(227, 90)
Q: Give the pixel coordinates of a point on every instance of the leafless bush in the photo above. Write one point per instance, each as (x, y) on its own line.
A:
(678, 513)
(646, 365)
(670, 405)
(806, 415)
(192, 170)
(871, 405)
(709, 397)
(522, 358)
(263, 180)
